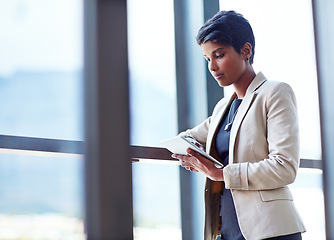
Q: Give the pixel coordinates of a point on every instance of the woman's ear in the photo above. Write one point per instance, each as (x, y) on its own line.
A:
(246, 50)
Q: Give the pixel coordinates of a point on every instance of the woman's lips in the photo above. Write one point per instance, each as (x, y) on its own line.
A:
(218, 76)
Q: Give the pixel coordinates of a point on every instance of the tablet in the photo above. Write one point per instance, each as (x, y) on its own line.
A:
(180, 144)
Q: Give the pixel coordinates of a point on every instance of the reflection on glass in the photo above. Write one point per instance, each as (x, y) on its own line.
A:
(41, 198)
(153, 117)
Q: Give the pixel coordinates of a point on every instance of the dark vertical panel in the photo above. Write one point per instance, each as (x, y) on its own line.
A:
(192, 98)
(183, 112)
(180, 61)
(214, 91)
(324, 38)
(107, 163)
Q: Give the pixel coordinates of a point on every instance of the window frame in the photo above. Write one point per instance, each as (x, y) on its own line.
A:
(101, 64)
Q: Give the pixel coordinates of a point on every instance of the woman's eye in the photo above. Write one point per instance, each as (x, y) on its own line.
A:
(220, 55)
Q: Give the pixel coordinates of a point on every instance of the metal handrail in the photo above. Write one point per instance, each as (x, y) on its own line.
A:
(60, 146)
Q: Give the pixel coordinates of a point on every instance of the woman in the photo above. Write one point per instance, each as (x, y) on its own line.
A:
(254, 133)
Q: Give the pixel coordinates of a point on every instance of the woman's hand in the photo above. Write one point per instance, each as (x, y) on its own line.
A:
(195, 162)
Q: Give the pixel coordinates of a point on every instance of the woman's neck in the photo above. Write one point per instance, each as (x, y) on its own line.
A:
(242, 85)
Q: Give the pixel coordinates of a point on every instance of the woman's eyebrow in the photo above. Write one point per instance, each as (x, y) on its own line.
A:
(217, 49)
(213, 52)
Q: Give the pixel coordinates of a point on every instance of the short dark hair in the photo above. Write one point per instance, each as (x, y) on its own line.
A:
(230, 28)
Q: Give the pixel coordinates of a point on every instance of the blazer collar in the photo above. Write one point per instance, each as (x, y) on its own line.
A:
(243, 108)
(256, 83)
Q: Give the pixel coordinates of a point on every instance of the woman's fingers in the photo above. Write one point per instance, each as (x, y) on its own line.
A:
(186, 162)
(195, 162)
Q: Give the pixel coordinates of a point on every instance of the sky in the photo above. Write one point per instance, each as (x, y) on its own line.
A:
(40, 35)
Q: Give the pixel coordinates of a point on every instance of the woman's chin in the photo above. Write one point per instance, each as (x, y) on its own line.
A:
(223, 84)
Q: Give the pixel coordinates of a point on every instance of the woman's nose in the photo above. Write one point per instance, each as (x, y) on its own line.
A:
(212, 66)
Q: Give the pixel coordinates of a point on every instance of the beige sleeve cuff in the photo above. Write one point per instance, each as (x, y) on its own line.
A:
(235, 176)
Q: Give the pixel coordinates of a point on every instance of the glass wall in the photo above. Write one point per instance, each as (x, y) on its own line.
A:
(285, 51)
(41, 198)
(156, 196)
(40, 96)
(40, 68)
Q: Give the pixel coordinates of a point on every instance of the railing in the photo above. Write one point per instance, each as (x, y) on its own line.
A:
(33, 145)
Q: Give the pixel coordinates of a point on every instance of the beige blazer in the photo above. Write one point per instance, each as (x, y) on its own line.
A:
(263, 160)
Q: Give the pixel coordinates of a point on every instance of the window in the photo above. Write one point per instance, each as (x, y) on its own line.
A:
(41, 96)
(156, 192)
(40, 72)
(284, 51)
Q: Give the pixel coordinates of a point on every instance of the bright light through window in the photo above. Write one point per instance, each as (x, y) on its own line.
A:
(41, 96)
(285, 51)
(156, 192)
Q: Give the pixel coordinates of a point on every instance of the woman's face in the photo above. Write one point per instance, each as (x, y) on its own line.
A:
(225, 64)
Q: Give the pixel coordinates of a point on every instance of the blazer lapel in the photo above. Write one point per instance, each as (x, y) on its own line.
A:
(243, 109)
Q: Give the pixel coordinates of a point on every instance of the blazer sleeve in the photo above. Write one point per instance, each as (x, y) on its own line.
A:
(280, 141)
(199, 132)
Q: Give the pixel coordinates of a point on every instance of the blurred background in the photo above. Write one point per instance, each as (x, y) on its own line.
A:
(41, 95)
